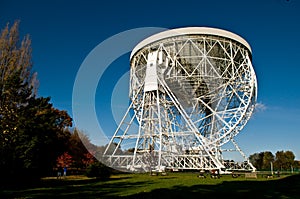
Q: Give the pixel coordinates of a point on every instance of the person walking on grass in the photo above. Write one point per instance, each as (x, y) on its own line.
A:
(59, 170)
(65, 172)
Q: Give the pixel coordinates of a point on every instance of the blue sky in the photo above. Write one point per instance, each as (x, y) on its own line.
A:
(63, 33)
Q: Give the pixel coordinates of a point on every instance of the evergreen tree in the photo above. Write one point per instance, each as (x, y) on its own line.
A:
(32, 132)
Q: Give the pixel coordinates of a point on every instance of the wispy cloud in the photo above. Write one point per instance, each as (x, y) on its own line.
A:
(260, 107)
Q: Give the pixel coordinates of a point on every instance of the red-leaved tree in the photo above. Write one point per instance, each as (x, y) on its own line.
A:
(65, 160)
(88, 159)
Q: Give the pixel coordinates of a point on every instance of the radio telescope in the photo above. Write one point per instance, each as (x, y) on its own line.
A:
(192, 90)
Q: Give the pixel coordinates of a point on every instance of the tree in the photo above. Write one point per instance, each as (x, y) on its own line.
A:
(16, 82)
(32, 131)
(15, 59)
(88, 159)
(77, 148)
(297, 165)
(268, 157)
(257, 160)
(290, 159)
(38, 137)
(262, 160)
(284, 160)
(65, 160)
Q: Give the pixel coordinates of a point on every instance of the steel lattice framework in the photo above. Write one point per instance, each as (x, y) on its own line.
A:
(192, 90)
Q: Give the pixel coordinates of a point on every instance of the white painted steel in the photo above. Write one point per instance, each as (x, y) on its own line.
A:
(192, 90)
(189, 31)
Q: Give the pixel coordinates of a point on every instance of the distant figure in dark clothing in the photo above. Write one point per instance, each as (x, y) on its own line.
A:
(278, 173)
(59, 170)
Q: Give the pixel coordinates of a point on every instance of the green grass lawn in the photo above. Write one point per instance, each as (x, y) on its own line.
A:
(174, 185)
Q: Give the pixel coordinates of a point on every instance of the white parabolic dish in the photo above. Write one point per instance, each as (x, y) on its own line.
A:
(190, 31)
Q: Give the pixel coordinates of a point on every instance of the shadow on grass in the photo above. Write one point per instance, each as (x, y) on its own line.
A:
(60, 188)
(288, 187)
(53, 182)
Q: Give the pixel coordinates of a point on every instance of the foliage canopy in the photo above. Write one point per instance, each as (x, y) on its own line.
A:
(32, 131)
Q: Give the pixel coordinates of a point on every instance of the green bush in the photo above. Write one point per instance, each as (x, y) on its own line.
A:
(98, 170)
